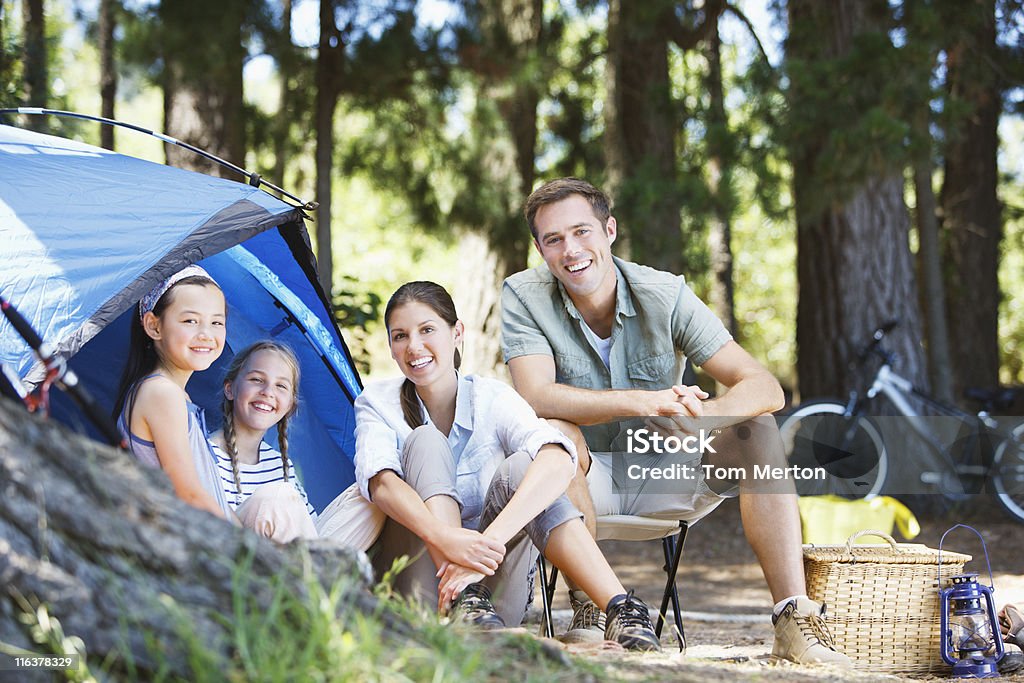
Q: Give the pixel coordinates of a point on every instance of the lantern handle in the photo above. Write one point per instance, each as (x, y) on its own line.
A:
(984, 549)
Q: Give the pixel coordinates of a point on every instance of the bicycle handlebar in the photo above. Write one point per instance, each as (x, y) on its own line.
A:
(876, 339)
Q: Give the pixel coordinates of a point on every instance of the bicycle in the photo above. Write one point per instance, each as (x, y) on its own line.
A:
(847, 441)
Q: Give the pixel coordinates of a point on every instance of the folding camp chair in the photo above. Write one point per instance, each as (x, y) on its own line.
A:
(631, 528)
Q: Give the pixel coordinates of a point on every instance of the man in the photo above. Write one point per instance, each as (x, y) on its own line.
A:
(591, 339)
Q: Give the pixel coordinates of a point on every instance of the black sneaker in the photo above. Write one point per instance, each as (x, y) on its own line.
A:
(473, 606)
(629, 624)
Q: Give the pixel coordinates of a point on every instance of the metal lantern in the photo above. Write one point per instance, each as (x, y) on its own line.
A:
(970, 632)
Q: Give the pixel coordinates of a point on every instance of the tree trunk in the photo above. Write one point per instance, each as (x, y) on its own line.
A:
(108, 70)
(34, 61)
(8, 58)
(203, 102)
(854, 264)
(640, 128)
(930, 265)
(971, 213)
(329, 64)
(124, 564)
(720, 160)
(286, 69)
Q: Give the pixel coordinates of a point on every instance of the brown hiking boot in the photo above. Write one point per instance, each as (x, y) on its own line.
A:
(588, 620)
(801, 635)
(1011, 622)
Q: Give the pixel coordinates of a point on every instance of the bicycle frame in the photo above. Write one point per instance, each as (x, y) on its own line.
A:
(897, 389)
(983, 452)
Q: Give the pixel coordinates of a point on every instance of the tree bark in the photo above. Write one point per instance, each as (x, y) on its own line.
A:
(854, 264)
(108, 70)
(971, 212)
(930, 265)
(329, 65)
(640, 128)
(286, 69)
(123, 563)
(203, 103)
(34, 60)
(720, 162)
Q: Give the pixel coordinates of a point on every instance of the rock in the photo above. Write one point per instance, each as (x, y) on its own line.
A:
(110, 550)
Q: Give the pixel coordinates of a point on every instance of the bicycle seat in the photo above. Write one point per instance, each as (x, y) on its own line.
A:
(999, 398)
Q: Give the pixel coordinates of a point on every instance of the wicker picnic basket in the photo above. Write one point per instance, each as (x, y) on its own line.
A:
(882, 601)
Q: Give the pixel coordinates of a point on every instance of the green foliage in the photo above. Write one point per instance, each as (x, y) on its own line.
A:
(356, 309)
(757, 199)
(1011, 264)
(10, 63)
(47, 632)
(307, 632)
(571, 121)
(848, 112)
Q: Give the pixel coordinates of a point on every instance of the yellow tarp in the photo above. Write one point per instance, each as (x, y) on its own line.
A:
(833, 519)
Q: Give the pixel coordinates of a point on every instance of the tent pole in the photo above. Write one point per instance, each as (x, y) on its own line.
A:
(253, 178)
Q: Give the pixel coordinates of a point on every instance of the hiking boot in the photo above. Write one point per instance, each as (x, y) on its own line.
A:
(473, 606)
(1011, 620)
(629, 623)
(801, 635)
(1012, 662)
(588, 620)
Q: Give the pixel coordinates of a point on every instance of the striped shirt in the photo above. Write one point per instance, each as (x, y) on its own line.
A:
(269, 469)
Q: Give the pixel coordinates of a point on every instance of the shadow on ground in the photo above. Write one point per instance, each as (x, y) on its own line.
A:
(726, 602)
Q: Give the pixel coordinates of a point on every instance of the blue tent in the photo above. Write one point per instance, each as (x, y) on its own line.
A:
(85, 232)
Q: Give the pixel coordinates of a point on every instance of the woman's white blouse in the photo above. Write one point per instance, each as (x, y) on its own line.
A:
(492, 421)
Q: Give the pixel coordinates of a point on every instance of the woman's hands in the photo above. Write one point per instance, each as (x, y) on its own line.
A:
(469, 557)
(454, 579)
(467, 548)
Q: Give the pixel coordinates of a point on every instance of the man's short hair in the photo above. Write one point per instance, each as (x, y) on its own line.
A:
(562, 188)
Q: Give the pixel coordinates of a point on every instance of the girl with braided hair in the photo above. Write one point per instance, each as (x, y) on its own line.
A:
(259, 482)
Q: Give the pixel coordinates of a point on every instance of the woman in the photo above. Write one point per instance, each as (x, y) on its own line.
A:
(465, 470)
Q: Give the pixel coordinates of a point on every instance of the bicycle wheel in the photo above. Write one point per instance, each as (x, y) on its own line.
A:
(1008, 473)
(849, 451)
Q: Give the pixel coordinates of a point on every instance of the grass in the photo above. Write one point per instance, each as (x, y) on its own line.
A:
(309, 632)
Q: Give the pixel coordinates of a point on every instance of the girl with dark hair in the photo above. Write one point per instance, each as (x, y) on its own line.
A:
(261, 390)
(179, 330)
(463, 469)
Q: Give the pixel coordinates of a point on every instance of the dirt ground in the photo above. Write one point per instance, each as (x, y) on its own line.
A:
(726, 603)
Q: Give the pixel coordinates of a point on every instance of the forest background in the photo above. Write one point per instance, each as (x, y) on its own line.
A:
(813, 168)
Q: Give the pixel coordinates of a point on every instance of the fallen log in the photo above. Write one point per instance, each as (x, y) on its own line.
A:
(106, 546)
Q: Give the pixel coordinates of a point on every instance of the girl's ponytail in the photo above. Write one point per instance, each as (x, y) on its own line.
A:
(411, 405)
(282, 444)
(231, 445)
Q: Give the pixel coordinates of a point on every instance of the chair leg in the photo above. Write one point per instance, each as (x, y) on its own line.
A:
(673, 550)
(547, 593)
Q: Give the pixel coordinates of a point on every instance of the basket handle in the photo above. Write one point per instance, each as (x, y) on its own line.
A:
(871, 532)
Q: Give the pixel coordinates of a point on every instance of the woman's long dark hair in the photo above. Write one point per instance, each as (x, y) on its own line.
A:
(440, 301)
(142, 356)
